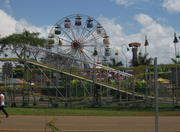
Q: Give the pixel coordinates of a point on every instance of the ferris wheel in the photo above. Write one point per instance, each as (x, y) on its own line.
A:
(82, 37)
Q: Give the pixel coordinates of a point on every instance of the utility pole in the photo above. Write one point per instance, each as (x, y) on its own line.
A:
(146, 43)
(176, 72)
(156, 95)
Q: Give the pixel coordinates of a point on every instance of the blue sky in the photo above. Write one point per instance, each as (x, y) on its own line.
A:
(47, 12)
(124, 20)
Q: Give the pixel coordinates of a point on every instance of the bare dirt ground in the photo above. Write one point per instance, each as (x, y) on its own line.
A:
(88, 124)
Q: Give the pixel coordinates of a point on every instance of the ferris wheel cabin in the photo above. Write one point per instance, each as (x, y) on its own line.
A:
(78, 21)
(99, 29)
(106, 40)
(89, 23)
(107, 51)
(57, 30)
(67, 23)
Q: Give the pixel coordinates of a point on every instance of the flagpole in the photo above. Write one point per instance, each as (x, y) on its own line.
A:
(176, 71)
(146, 72)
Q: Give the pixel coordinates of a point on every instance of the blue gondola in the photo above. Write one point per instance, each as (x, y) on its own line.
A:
(89, 23)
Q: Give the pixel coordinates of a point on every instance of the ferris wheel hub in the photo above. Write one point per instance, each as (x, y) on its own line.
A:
(75, 44)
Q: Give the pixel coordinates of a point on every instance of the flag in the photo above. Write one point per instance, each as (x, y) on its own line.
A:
(146, 41)
(175, 38)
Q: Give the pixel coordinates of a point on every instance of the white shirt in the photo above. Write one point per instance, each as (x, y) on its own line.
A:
(2, 102)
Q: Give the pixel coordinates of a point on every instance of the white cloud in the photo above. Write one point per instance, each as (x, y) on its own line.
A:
(22, 24)
(129, 2)
(123, 2)
(172, 5)
(8, 25)
(144, 20)
(160, 38)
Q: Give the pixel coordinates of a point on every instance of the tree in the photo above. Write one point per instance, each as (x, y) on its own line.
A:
(17, 44)
(142, 60)
(175, 61)
(114, 63)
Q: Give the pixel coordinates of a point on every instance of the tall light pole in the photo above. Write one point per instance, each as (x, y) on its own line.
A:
(176, 72)
(124, 45)
(146, 43)
(156, 95)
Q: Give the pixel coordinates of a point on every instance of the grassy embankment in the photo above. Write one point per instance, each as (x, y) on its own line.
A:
(87, 112)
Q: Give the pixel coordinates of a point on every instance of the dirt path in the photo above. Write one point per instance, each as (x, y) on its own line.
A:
(88, 124)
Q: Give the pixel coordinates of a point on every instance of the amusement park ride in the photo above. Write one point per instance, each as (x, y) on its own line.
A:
(83, 38)
(78, 42)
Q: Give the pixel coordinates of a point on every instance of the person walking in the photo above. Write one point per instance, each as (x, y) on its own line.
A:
(2, 104)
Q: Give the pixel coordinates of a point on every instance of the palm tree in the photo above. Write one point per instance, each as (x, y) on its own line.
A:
(114, 63)
(175, 61)
(142, 60)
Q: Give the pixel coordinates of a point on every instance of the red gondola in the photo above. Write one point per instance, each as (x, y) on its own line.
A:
(67, 23)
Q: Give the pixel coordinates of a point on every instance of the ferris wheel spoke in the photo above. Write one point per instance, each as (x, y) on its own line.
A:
(88, 57)
(77, 29)
(65, 45)
(83, 30)
(90, 45)
(64, 40)
(70, 53)
(67, 50)
(67, 34)
(80, 37)
(89, 51)
(82, 57)
(77, 54)
(88, 34)
(92, 39)
(73, 33)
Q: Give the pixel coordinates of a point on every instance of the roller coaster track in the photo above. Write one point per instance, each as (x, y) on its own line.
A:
(49, 67)
(79, 60)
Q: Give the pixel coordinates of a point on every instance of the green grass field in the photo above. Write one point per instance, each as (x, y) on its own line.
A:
(86, 112)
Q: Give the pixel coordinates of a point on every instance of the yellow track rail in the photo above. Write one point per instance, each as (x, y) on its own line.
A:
(70, 74)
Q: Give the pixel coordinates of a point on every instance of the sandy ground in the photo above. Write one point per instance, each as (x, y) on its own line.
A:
(88, 124)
